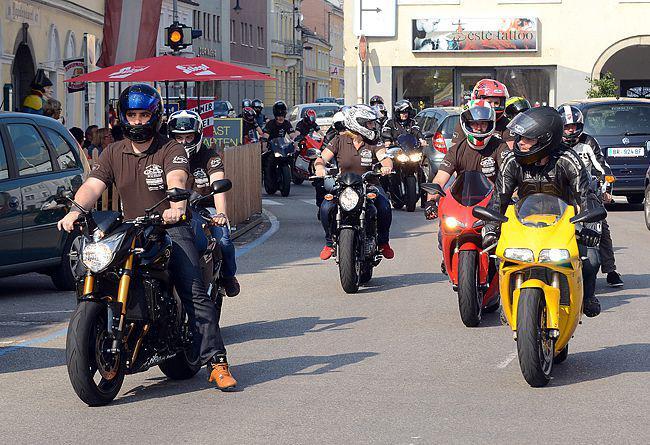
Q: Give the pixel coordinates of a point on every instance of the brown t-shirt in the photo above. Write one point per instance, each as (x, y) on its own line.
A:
(140, 178)
(351, 160)
(462, 157)
(501, 130)
(203, 164)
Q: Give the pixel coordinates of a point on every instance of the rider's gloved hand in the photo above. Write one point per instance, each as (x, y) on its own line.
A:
(490, 234)
(431, 209)
(590, 234)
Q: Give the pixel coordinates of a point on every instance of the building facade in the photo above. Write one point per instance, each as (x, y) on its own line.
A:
(335, 32)
(40, 35)
(286, 53)
(316, 65)
(433, 51)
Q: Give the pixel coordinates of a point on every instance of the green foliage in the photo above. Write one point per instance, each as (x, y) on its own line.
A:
(606, 86)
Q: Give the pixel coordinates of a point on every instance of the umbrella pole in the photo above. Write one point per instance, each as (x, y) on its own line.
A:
(198, 96)
(185, 94)
(167, 97)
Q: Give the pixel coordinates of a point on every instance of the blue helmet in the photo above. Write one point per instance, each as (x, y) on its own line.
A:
(140, 97)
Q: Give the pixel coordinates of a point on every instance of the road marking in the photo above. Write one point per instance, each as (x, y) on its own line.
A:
(270, 202)
(9, 342)
(45, 312)
(20, 323)
(309, 201)
(35, 341)
(275, 226)
(507, 361)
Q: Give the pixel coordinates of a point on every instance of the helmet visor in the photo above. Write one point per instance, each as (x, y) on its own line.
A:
(182, 125)
(524, 126)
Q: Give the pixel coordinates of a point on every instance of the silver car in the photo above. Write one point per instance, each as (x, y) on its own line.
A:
(438, 126)
(324, 114)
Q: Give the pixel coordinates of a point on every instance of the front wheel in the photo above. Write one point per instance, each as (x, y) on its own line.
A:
(563, 354)
(348, 262)
(469, 294)
(646, 207)
(270, 180)
(411, 197)
(96, 375)
(534, 347)
(285, 180)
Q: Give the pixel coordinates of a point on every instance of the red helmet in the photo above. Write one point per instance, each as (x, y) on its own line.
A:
(485, 88)
(310, 115)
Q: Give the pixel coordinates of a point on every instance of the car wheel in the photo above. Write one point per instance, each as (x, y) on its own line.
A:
(64, 276)
(635, 199)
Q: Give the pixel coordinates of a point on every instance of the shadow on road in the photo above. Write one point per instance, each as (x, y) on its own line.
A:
(31, 284)
(403, 280)
(632, 282)
(290, 327)
(31, 358)
(603, 363)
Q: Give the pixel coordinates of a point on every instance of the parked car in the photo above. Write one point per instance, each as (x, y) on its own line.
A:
(622, 129)
(324, 113)
(437, 125)
(340, 101)
(223, 108)
(39, 161)
(326, 100)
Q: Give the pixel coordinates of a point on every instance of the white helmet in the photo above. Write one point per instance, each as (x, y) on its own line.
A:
(338, 121)
(187, 122)
(362, 120)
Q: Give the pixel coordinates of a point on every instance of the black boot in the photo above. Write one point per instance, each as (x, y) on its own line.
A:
(591, 307)
(231, 285)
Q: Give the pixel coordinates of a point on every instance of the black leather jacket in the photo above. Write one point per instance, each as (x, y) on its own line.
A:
(392, 129)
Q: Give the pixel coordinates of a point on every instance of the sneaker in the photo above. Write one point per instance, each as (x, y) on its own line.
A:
(220, 374)
(386, 251)
(326, 253)
(591, 307)
(614, 279)
(231, 285)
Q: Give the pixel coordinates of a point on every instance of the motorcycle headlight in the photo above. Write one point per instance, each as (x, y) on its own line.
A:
(277, 155)
(348, 199)
(453, 224)
(554, 255)
(98, 256)
(524, 255)
(402, 158)
(416, 157)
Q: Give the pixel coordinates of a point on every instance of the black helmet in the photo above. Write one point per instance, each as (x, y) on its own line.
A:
(258, 105)
(516, 105)
(381, 111)
(376, 99)
(279, 109)
(246, 103)
(248, 114)
(571, 115)
(543, 124)
(140, 97)
(402, 106)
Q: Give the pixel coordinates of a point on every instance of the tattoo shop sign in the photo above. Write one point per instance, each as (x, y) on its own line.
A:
(475, 34)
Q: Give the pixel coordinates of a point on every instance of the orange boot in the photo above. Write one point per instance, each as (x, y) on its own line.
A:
(220, 374)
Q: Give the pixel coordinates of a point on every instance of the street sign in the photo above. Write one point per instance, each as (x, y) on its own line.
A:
(363, 48)
(375, 18)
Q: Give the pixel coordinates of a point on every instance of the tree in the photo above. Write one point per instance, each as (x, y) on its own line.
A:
(606, 86)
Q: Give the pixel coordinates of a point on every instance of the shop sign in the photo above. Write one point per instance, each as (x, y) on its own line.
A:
(227, 132)
(207, 52)
(22, 12)
(74, 68)
(475, 34)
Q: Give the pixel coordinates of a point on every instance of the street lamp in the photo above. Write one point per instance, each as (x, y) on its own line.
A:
(237, 8)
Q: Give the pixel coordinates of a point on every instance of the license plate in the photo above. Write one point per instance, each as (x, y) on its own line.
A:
(626, 152)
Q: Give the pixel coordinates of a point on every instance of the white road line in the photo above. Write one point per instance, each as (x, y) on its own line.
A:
(507, 361)
(9, 342)
(270, 202)
(275, 226)
(45, 312)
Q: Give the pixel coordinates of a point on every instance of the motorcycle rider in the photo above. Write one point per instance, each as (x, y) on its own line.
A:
(589, 151)
(356, 151)
(279, 127)
(382, 114)
(401, 123)
(337, 128)
(516, 105)
(376, 100)
(245, 104)
(541, 163)
(258, 106)
(206, 166)
(142, 167)
(307, 124)
(250, 127)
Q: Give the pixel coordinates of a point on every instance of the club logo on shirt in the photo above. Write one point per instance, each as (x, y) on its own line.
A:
(488, 166)
(366, 157)
(154, 174)
(216, 163)
(179, 160)
(201, 178)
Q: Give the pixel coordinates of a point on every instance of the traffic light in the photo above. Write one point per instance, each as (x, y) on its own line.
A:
(180, 36)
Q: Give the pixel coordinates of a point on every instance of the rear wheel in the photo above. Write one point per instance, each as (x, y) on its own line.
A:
(646, 207)
(349, 267)
(179, 368)
(64, 277)
(469, 294)
(285, 180)
(534, 347)
(635, 199)
(411, 197)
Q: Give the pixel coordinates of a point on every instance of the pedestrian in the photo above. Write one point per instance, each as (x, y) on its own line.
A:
(53, 109)
(78, 134)
(89, 135)
(102, 138)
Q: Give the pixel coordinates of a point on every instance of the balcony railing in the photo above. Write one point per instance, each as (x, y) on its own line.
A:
(287, 48)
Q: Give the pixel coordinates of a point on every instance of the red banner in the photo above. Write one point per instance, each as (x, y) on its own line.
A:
(206, 112)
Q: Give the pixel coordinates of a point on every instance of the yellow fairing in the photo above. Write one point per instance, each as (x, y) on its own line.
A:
(516, 275)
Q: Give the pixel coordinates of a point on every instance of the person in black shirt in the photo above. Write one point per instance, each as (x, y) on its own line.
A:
(258, 106)
(280, 126)
(251, 130)
(401, 123)
(307, 124)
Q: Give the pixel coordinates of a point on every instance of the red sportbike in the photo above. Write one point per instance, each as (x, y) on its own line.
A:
(309, 150)
(467, 264)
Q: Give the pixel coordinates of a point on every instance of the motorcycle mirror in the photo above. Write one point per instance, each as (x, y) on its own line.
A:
(433, 189)
(178, 194)
(488, 215)
(221, 186)
(589, 216)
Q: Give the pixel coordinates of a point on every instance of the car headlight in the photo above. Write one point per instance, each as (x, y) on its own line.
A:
(524, 255)
(453, 224)
(98, 256)
(554, 255)
(348, 199)
(416, 157)
(402, 158)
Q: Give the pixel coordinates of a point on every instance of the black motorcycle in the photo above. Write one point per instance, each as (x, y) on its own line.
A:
(277, 162)
(404, 186)
(355, 231)
(129, 317)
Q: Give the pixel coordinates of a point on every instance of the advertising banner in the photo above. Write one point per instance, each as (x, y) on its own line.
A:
(207, 114)
(475, 34)
(74, 68)
(227, 132)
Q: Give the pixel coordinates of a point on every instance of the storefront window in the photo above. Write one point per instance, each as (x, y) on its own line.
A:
(531, 83)
(427, 87)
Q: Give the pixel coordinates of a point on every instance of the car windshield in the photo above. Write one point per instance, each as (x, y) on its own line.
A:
(221, 107)
(470, 188)
(322, 111)
(617, 119)
(540, 210)
(449, 125)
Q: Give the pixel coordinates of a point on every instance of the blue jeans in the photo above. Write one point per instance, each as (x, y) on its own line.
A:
(384, 217)
(222, 235)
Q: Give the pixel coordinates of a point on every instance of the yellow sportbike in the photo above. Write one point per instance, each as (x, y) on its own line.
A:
(540, 278)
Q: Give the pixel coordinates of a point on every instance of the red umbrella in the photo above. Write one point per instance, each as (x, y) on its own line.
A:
(171, 69)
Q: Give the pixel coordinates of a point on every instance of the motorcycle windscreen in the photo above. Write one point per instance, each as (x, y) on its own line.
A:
(407, 141)
(470, 188)
(283, 146)
(540, 210)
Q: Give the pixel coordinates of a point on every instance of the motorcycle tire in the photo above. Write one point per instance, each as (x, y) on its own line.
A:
(349, 267)
(270, 182)
(564, 353)
(395, 193)
(366, 273)
(469, 294)
(646, 207)
(298, 181)
(285, 184)
(535, 361)
(178, 367)
(87, 322)
(411, 197)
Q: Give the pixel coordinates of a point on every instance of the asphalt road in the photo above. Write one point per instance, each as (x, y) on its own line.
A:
(390, 365)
